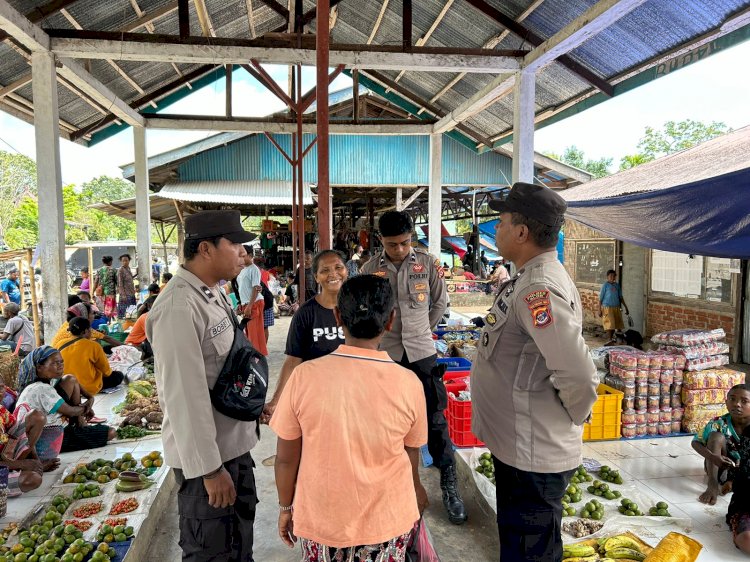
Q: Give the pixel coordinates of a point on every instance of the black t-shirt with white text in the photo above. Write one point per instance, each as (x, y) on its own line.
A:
(313, 332)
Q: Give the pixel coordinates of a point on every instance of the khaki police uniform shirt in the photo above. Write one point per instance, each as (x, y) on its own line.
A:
(191, 334)
(419, 289)
(533, 383)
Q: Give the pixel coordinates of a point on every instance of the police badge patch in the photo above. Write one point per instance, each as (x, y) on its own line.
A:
(491, 319)
(540, 307)
(485, 339)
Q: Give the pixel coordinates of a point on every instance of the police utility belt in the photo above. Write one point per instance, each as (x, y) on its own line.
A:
(240, 389)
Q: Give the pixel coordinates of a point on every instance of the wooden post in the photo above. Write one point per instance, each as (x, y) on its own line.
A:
(523, 127)
(325, 234)
(34, 305)
(228, 86)
(23, 292)
(90, 252)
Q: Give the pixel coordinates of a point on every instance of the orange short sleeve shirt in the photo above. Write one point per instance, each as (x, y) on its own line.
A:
(355, 410)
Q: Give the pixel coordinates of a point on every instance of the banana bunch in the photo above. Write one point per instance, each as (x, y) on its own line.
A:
(131, 481)
(618, 548)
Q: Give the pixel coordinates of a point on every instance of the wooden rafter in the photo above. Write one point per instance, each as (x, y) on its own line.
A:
(528, 35)
(490, 44)
(422, 40)
(378, 21)
(38, 14)
(250, 18)
(111, 63)
(150, 29)
(204, 18)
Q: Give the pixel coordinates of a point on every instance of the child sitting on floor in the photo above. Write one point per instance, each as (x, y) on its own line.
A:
(719, 443)
(738, 515)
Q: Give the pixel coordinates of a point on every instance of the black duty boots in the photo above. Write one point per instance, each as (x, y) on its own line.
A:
(452, 501)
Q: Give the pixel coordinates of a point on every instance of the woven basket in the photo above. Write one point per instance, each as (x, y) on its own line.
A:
(9, 365)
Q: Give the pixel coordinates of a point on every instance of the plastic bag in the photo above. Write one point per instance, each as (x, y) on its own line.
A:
(127, 359)
(420, 548)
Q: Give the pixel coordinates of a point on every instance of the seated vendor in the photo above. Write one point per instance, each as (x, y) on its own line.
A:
(44, 388)
(85, 359)
(468, 273)
(81, 310)
(137, 333)
(18, 329)
(18, 449)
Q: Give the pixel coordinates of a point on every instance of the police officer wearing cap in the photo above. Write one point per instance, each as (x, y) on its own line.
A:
(191, 332)
(533, 384)
(417, 279)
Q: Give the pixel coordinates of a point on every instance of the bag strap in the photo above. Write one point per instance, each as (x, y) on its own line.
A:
(71, 342)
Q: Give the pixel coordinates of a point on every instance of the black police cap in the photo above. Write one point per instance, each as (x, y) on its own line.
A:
(210, 224)
(534, 201)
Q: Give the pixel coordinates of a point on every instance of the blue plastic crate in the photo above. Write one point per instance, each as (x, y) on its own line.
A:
(455, 363)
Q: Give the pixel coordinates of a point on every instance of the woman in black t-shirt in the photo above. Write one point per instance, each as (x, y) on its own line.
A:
(313, 332)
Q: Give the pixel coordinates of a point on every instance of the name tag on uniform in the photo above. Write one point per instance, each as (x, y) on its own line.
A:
(219, 328)
(503, 306)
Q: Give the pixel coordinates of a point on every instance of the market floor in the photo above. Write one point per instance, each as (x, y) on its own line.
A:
(476, 540)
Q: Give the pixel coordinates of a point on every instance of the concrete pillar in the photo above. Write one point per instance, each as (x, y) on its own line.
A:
(49, 182)
(142, 208)
(523, 126)
(435, 204)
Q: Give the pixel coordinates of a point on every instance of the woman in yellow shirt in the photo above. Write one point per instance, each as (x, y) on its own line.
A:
(85, 359)
(80, 310)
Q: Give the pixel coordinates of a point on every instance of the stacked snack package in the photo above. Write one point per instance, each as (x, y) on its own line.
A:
(704, 394)
(652, 383)
(705, 382)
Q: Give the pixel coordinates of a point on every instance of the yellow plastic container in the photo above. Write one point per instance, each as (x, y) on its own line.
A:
(607, 415)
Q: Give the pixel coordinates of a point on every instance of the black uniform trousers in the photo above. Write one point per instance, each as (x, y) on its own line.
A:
(438, 441)
(529, 513)
(209, 534)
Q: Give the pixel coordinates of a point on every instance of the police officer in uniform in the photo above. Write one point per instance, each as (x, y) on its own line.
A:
(191, 332)
(533, 383)
(417, 279)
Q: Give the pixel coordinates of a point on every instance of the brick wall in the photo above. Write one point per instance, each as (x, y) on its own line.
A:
(590, 302)
(663, 316)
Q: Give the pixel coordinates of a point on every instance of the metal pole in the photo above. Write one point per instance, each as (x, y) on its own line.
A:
(324, 188)
(300, 192)
(295, 204)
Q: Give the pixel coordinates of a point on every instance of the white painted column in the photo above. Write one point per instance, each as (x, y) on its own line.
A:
(49, 183)
(435, 204)
(523, 126)
(142, 209)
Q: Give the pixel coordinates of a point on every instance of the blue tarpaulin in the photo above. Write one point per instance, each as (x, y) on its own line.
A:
(709, 217)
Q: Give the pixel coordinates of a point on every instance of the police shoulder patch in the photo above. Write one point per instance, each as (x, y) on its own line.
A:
(380, 273)
(540, 308)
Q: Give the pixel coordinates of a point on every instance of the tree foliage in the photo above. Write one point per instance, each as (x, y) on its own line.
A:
(575, 157)
(17, 181)
(672, 137)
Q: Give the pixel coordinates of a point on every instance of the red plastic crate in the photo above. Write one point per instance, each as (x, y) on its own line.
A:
(459, 424)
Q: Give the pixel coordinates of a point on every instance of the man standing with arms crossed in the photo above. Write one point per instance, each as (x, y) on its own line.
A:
(191, 332)
(533, 384)
(417, 279)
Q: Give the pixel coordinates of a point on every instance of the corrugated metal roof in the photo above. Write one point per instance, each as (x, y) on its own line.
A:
(634, 43)
(717, 157)
(239, 192)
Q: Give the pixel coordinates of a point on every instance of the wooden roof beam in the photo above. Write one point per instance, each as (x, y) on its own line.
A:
(36, 40)
(253, 125)
(528, 35)
(111, 63)
(499, 87)
(594, 20)
(38, 14)
(490, 44)
(194, 50)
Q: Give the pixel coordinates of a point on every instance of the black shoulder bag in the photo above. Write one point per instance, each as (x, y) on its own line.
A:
(240, 389)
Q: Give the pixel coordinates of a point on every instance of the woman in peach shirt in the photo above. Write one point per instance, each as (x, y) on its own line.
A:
(352, 492)
(137, 333)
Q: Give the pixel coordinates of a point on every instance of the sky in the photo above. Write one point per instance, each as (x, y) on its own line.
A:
(715, 89)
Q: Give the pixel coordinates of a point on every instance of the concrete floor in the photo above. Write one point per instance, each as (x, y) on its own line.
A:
(476, 540)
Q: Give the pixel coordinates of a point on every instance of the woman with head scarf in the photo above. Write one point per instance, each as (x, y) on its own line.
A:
(80, 310)
(44, 387)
